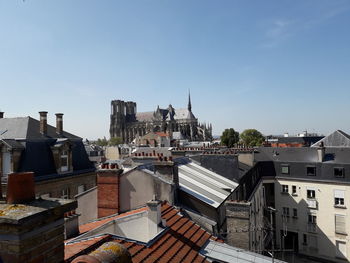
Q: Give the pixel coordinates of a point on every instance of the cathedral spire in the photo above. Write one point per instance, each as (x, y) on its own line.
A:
(189, 107)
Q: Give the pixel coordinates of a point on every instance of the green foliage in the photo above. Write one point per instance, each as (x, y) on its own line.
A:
(115, 141)
(102, 142)
(229, 137)
(252, 137)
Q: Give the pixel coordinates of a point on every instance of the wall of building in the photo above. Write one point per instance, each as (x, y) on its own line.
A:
(321, 238)
(87, 205)
(138, 187)
(55, 187)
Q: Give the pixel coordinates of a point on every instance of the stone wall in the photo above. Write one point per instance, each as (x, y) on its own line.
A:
(237, 216)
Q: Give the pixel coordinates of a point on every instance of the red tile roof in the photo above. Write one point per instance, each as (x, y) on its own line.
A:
(181, 243)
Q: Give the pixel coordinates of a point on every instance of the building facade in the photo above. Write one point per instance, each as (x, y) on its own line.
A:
(127, 123)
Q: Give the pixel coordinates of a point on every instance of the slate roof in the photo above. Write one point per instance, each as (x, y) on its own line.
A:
(181, 242)
(27, 128)
(335, 139)
(306, 140)
(180, 114)
(184, 113)
(144, 116)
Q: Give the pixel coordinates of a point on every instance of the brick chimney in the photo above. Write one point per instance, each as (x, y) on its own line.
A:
(59, 123)
(31, 230)
(43, 122)
(20, 188)
(1, 114)
(108, 191)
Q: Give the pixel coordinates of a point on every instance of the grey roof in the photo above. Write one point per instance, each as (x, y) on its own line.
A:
(302, 154)
(221, 252)
(207, 186)
(27, 128)
(335, 139)
(181, 114)
(13, 144)
(144, 116)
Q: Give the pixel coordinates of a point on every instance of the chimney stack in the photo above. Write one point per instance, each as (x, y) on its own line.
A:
(321, 152)
(154, 216)
(43, 122)
(1, 114)
(59, 123)
(20, 188)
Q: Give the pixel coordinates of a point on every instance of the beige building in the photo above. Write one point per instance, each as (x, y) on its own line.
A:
(308, 190)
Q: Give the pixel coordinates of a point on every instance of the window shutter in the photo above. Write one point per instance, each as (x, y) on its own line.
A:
(340, 224)
(339, 193)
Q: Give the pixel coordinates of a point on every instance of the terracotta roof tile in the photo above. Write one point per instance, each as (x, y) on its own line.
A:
(181, 243)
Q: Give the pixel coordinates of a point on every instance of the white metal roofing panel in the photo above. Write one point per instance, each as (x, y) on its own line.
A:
(199, 195)
(205, 177)
(183, 178)
(212, 174)
(223, 252)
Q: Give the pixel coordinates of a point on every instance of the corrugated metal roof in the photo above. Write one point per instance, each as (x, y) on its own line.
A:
(204, 184)
(224, 253)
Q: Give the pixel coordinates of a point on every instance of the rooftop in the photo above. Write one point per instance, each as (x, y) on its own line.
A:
(181, 241)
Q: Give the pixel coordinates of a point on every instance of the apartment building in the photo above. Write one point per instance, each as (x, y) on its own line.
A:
(309, 190)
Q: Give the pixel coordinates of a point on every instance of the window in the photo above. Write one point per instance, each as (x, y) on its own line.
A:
(295, 212)
(284, 188)
(64, 161)
(285, 169)
(65, 193)
(311, 170)
(338, 172)
(340, 224)
(339, 197)
(304, 239)
(294, 190)
(285, 211)
(311, 193)
(340, 249)
(311, 219)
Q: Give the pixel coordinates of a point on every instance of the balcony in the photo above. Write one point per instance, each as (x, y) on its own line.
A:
(312, 203)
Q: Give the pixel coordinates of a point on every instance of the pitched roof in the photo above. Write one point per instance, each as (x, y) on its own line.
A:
(180, 243)
(27, 128)
(335, 139)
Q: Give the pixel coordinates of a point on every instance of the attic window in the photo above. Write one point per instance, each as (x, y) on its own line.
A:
(285, 169)
(338, 172)
(64, 161)
(311, 170)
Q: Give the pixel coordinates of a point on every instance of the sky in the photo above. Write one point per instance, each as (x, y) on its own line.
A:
(274, 65)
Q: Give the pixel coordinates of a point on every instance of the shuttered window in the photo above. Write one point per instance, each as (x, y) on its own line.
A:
(340, 249)
(339, 196)
(340, 224)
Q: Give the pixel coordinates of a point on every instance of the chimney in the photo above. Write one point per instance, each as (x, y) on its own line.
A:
(321, 152)
(167, 169)
(1, 114)
(31, 230)
(59, 123)
(108, 191)
(154, 217)
(43, 122)
(20, 188)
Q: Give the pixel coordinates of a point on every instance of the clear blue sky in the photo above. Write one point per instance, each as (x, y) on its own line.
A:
(276, 66)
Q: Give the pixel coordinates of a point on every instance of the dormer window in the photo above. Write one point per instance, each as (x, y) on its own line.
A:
(64, 161)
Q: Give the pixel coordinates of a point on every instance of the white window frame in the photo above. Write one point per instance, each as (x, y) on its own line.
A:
(339, 198)
(285, 189)
(340, 224)
(64, 155)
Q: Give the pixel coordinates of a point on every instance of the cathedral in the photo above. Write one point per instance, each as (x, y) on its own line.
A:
(127, 123)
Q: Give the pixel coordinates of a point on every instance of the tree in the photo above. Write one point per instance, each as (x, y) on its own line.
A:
(252, 137)
(102, 142)
(115, 141)
(229, 137)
